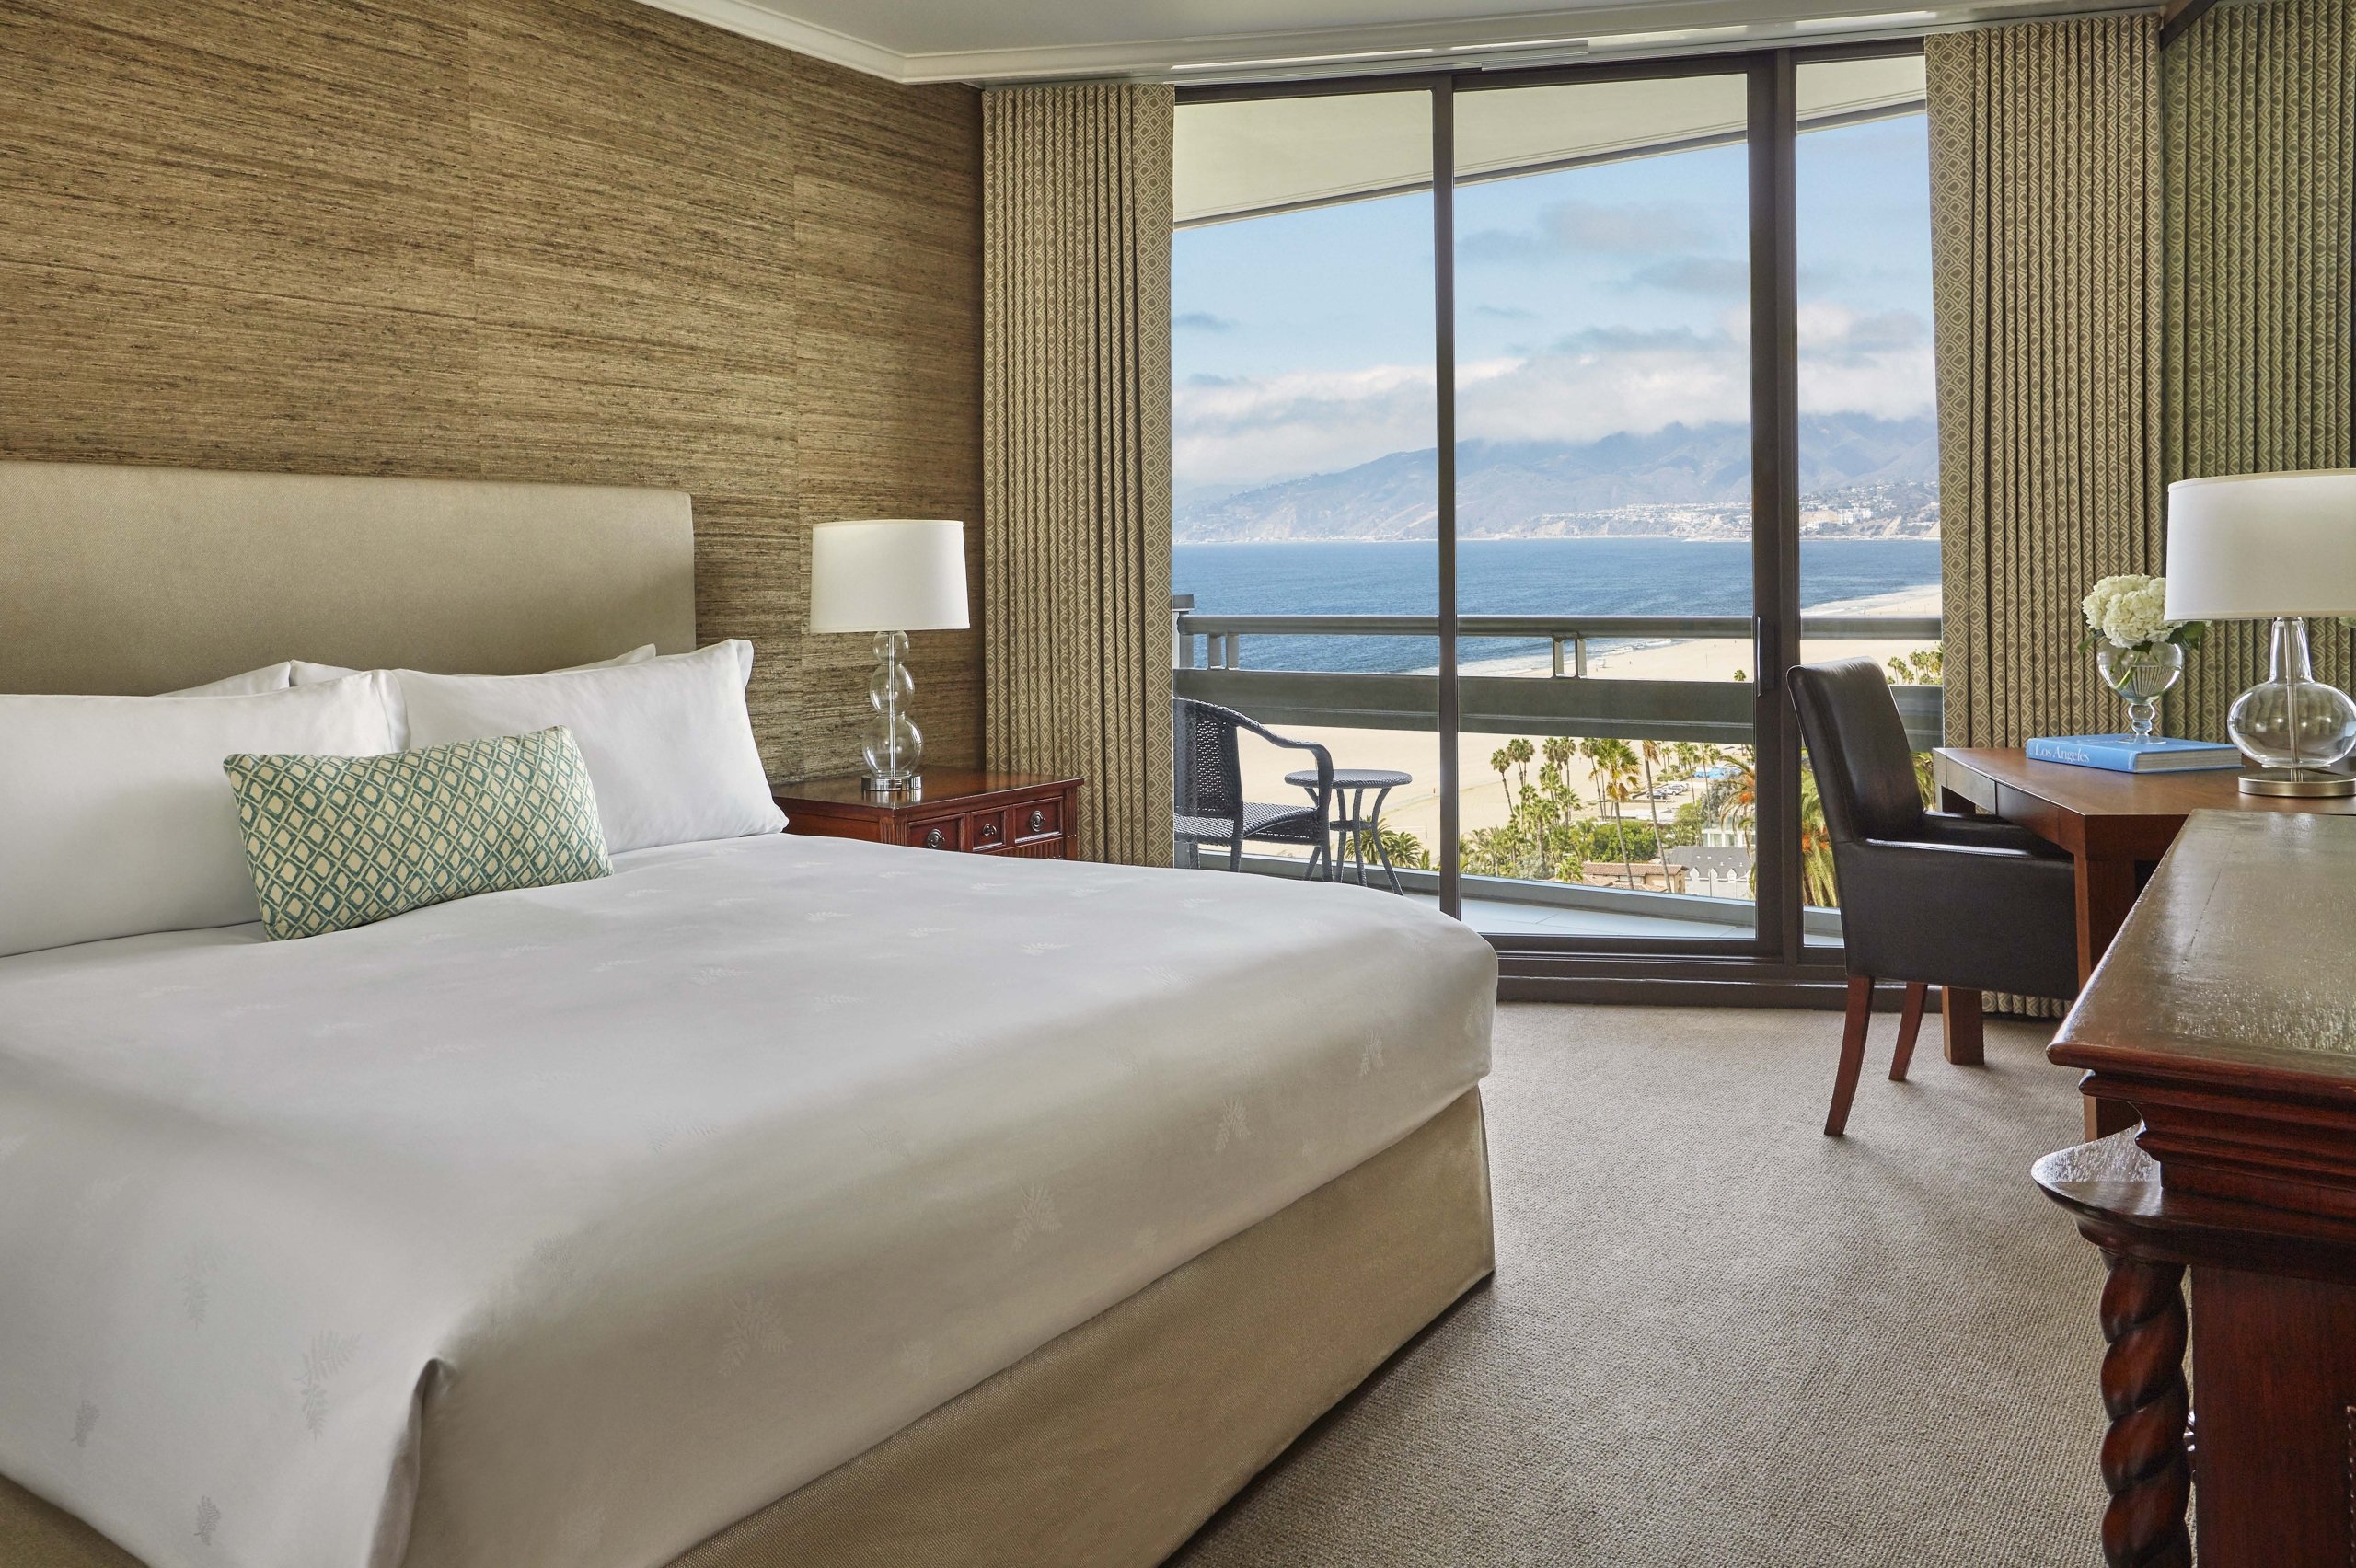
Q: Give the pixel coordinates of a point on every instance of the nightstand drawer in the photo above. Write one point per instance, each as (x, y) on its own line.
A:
(1035, 822)
(961, 810)
(937, 833)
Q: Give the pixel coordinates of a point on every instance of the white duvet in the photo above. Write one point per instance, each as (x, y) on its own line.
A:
(567, 1226)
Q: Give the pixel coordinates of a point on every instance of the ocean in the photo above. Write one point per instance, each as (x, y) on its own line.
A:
(1621, 577)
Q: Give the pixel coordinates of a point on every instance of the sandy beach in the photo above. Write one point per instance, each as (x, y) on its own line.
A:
(1481, 804)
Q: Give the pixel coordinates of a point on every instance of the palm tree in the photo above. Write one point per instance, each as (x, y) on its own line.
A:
(1816, 883)
(1615, 766)
(1740, 804)
(1651, 751)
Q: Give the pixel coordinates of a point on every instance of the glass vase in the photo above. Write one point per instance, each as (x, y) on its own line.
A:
(2143, 677)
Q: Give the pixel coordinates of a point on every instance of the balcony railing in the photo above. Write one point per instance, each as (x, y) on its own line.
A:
(1567, 700)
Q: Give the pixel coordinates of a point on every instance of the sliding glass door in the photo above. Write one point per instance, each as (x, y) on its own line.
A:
(1868, 421)
(1304, 412)
(1509, 488)
(1603, 485)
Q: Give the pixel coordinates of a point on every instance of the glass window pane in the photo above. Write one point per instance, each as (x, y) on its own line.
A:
(1303, 464)
(1603, 411)
(1868, 426)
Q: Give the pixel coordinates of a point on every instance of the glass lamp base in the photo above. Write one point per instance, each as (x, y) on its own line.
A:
(2305, 783)
(893, 746)
(2295, 728)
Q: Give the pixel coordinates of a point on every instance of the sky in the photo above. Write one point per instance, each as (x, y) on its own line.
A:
(1589, 302)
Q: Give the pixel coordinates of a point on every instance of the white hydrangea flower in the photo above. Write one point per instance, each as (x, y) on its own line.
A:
(2128, 610)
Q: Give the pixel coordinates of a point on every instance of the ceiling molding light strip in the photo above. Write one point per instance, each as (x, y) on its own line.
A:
(1580, 43)
(1681, 37)
(1865, 24)
(1352, 57)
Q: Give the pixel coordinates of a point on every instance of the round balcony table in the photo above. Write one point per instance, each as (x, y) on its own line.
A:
(1358, 823)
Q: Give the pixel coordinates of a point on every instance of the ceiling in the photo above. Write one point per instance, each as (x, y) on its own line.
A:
(1000, 40)
(1258, 155)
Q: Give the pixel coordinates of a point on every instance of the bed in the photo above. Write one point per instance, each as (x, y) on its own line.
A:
(775, 1200)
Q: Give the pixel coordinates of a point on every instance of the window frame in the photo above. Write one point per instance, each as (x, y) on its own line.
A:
(1777, 966)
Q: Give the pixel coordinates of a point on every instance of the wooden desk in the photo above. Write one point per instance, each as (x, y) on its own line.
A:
(2225, 1013)
(2114, 826)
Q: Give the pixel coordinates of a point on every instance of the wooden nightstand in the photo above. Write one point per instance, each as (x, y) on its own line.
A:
(982, 813)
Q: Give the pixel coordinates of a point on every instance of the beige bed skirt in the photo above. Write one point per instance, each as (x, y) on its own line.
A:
(1107, 1447)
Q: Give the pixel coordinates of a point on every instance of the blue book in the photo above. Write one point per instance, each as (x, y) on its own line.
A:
(2125, 753)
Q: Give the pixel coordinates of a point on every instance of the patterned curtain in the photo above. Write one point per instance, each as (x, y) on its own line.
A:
(2261, 211)
(1076, 451)
(2046, 260)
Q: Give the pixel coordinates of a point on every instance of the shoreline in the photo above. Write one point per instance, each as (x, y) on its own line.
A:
(1613, 660)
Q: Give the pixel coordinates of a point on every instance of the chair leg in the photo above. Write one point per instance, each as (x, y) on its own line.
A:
(1235, 853)
(1853, 1052)
(1959, 1011)
(1909, 1021)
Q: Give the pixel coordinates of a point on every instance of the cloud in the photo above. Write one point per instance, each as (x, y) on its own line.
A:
(1835, 331)
(1566, 229)
(1250, 431)
(1711, 275)
(1505, 313)
(1604, 381)
(1879, 363)
(1201, 321)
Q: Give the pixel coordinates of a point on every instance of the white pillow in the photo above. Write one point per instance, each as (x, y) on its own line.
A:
(304, 673)
(668, 741)
(115, 818)
(270, 677)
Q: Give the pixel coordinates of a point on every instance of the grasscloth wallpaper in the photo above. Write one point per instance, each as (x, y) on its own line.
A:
(529, 239)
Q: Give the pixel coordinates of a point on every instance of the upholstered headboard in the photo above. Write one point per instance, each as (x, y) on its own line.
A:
(142, 579)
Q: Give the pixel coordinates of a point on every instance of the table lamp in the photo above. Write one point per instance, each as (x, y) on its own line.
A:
(2247, 547)
(890, 577)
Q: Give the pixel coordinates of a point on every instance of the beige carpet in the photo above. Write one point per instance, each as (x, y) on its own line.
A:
(1717, 1337)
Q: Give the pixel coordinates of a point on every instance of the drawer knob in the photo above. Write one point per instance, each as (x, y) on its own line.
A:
(989, 830)
(1038, 820)
(935, 839)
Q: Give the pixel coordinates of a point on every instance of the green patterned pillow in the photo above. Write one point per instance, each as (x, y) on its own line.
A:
(341, 841)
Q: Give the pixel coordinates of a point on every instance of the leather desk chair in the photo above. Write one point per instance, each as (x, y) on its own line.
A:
(1927, 898)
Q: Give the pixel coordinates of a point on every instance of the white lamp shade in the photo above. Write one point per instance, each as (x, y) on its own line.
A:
(893, 574)
(2246, 547)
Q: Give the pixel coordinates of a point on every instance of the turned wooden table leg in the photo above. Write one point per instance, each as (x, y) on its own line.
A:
(2143, 1460)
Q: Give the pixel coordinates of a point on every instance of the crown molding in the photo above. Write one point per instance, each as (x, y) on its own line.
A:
(753, 20)
(1628, 29)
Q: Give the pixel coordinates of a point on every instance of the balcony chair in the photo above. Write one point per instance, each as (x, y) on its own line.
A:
(1927, 898)
(1210, 804)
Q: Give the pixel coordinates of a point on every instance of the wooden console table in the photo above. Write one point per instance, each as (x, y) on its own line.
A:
(2226, 1013)
(2115, 826)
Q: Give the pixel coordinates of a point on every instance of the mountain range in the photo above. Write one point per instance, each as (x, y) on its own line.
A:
(1860, 477)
